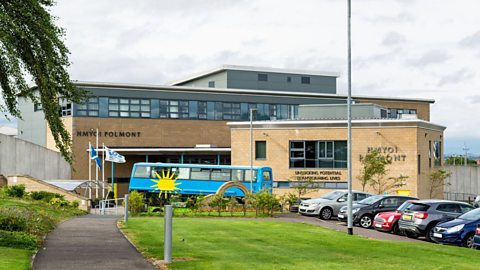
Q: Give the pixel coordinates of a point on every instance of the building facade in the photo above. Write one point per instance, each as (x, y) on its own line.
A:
(186, 122)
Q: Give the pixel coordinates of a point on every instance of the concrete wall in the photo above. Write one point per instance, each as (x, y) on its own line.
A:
(32, 184)
(464, 182)
(22, 157)
(219, 78)
(32, 127)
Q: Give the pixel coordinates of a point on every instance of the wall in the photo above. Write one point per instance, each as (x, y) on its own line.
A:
(32, 127)
(22, 157)
(220, 79)
(33, 184)
(403, 141)
(464, 182)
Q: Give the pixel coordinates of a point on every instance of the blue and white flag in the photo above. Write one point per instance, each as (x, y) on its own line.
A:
(113, 156)
(94, 155)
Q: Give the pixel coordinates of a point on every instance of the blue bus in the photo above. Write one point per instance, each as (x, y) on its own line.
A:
(196, 179)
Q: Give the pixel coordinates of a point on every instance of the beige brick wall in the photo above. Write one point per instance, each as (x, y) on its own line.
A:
(33, 184)
(403, 142)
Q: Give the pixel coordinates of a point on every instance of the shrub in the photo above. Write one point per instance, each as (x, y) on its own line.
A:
(18, 240)
(136, 202)
(45, 196)
(13, 220)
(16, 191)
(58, 202)
(25, 220)
(75, 204)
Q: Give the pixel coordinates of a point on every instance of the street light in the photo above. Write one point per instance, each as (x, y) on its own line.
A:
(251, 148)
(465, 148)
(349, 124)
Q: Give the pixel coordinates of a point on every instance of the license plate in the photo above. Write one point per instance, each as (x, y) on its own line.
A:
(407, 217)
(341, 216)
(438, 235)
(378, 225)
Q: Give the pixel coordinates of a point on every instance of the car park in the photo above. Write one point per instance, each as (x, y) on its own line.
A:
(328, 205)
(459, 231)
(388, 221)
(421, 217)
(365, 210)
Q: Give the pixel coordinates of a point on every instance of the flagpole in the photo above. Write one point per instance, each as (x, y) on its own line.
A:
(103, 171)
(89, 186)
(113, 182)
(96, 171)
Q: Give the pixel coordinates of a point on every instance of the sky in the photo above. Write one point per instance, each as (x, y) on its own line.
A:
(400, 48)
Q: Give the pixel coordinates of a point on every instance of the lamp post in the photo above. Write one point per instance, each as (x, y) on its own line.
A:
(251, 148)
(465, 148)
(349, 124)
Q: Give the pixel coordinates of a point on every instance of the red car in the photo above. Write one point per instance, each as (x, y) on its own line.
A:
(388, 221)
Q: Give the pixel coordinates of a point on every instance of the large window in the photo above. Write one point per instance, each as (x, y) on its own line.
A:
(397, 113)
(65, 107)
(89, 108)
(318, 154)
(124, 107)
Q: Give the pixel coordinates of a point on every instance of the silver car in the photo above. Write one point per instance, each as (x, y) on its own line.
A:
(328, 205)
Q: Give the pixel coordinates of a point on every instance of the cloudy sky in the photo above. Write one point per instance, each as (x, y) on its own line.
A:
(405, 48)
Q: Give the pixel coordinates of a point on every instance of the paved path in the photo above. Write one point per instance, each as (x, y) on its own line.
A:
(89, 242)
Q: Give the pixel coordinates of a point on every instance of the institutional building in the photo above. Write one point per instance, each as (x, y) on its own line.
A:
(299, 126)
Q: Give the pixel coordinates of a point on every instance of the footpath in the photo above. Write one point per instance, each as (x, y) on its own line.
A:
(89, 242)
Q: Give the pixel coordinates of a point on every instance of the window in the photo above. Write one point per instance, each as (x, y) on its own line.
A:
(237, 175)
(389, 202)
(449, 207)
(262, 77)
(248, 175)
(419, 164)
(65, 107)
(465, 208)
(231, 111)
(318, 154)
(200, 174)
(124, 107)
(289, 79)
(266, 176)
(305, 80)
(142, 172)
(37, 107)
(211, 84)
(260, 150)
(220, 174)
(202, 110)
(360, 196)
(397, 113)
(437, 153)
(89, 108)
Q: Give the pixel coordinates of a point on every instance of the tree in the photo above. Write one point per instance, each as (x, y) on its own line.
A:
(374, 171)
(302, 187)
(31, 45)
(219, 202)
(437, 180)
(373, 166)
(459, 160)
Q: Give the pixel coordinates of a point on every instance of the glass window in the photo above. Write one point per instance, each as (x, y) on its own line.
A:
(90, 108)
(305, 80)
(211, 84)
(465, 208)
(260, 150)
(359, 196)
(262, 77)
(220, 174)
(200, 174)
(237, 175)
(449, 207)
(248, 176)
(266, 176)
(389, 202)
(142, 171)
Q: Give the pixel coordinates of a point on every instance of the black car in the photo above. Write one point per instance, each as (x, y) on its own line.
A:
(364, 210)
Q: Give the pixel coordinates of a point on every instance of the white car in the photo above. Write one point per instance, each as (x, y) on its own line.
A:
(328, 205)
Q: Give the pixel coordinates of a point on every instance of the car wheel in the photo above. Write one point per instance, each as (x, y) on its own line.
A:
(468, 241)
(411, 235)
(396, 229)
(366, 221)
(326, 213)
(429, 233)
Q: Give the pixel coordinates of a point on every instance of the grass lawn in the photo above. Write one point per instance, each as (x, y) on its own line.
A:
(256, 244)
(14, 259)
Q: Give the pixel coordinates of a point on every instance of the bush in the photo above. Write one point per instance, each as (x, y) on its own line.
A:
(23, 220)
(58, 202)
(45, 196)
(18, 240)
(136, 202)
(16, 191)
(75, 204)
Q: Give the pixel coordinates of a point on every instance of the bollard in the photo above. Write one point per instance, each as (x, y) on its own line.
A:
(126, 208)
(167, 239)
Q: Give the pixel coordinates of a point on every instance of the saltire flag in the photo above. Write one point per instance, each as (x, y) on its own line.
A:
(94, 156)
(113, 156)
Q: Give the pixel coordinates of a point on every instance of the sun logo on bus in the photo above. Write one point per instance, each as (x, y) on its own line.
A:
(166, 183)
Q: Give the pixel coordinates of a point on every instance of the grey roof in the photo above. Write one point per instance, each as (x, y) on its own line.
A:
(69, 185)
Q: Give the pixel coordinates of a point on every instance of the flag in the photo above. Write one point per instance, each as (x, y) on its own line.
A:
(113, 156)
(94, 156)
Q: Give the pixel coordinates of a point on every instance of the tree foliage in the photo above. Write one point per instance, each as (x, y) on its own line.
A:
(459, 160)
(374, 171)
(31, 46)
(437, 180)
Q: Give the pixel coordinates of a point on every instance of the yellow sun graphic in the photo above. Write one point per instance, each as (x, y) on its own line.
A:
(167, 183)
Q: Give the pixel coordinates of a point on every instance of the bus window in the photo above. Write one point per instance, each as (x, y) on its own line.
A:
(266, 176)
(200, 174)
(183, 173)
(237, 175)
(248, 175)
(220, 174)
(142, 172)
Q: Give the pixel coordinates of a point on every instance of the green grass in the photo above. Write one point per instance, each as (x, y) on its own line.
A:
(14, 259)
(255, 244)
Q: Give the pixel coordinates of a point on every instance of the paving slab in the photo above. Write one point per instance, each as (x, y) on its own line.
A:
(89, 242)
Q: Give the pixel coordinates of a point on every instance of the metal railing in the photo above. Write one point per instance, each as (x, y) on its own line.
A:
(463, 197)
(111, 207)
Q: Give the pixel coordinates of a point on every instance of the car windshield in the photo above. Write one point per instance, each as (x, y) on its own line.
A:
(403, 206)
(370, 200)
(332, 195)
(471, 215)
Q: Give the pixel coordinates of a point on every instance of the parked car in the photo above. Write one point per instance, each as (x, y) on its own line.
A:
(388, 221)
(459, 231)
(328, 205)
(365, 210)
(421, 217)
(476, 238)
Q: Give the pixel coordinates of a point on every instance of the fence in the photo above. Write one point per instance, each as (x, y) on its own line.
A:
(110, 207)
(463, 184)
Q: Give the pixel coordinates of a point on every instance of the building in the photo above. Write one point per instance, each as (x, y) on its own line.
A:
(186, 122)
